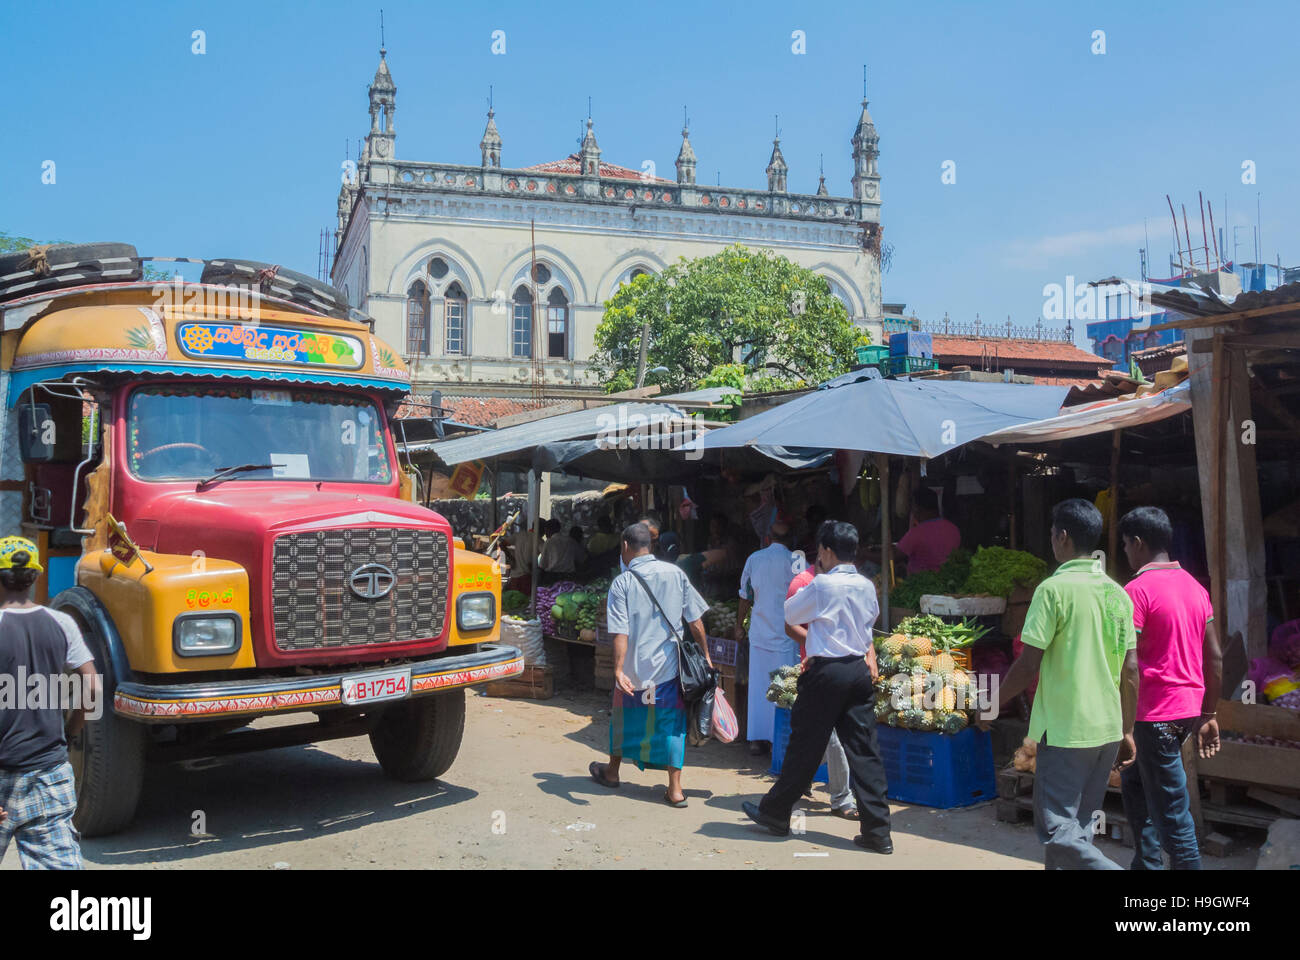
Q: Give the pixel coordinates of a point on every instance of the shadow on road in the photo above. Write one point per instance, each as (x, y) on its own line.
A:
(576, 788)
(260, 799)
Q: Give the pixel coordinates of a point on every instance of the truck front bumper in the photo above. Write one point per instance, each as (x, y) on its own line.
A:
(176, 703)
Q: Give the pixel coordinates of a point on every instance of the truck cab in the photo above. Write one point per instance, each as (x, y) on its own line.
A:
(219, 502)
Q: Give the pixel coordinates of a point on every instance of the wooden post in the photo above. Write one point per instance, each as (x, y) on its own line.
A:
(1112, 522)
(1219, 529)
(534, 569)
(886, 542)
(1011, 498)
(1229, 488)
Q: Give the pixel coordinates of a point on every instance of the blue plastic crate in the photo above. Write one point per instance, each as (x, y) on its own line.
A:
(911, 343)
(781, 740)
(937, 769)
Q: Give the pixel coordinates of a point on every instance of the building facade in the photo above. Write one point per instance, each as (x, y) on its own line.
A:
(493, 278)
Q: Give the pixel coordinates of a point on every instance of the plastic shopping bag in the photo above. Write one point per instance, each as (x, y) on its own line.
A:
(725, 725)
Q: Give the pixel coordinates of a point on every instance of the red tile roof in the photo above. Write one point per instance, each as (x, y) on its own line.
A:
(610, 171)
(1010, 352)
(484, 411)
(1081, 383)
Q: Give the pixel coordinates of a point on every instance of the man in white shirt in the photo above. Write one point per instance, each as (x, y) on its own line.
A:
(835, 692)
(558, 553)
(763, 586)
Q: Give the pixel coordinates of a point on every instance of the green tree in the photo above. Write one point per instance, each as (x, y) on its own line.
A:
(776, 320)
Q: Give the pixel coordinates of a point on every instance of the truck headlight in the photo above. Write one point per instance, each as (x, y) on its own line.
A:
(476, 611)
(206, 635)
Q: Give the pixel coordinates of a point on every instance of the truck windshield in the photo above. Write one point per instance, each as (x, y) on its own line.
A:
(192, 431)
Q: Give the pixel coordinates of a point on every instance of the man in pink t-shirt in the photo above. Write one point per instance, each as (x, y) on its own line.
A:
(932, 538)
(1179, 680)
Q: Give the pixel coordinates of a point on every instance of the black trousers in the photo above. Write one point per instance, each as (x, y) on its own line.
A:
(834, 695)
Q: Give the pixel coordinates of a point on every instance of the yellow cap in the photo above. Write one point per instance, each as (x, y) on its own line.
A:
(11, 545)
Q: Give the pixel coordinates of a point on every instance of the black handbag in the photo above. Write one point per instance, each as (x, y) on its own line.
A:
(694, 674)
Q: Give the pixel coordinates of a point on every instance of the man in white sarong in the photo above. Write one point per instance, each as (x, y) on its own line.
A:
(763, 586)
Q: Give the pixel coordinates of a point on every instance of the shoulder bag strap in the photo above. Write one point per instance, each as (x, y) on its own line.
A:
(655, 600)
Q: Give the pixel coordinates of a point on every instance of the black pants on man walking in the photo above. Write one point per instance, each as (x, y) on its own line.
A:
(834, 695)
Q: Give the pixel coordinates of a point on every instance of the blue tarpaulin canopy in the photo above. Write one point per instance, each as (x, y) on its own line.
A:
(909, 418)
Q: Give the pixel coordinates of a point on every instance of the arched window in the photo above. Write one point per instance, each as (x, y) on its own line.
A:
(557, 325)
(638, 272)
(417, 320)
(454, 316)
(521, 324)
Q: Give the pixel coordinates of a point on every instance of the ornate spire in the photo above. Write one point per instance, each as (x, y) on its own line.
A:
(776, 169)
(866, 148)
(383, 111)
(821, 179)
(490, 145)
(686, 157)
(590, 153)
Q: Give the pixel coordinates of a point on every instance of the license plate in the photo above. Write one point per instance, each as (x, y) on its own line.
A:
(373, 687)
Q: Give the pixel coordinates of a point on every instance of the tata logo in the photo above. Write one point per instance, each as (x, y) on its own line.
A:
(371, 581)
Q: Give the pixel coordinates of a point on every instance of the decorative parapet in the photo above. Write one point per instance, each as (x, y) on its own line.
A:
(453, 178)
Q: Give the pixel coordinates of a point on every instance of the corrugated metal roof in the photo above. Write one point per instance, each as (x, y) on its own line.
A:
(576, 425)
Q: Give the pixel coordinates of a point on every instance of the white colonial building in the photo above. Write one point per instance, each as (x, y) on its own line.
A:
(440, 254)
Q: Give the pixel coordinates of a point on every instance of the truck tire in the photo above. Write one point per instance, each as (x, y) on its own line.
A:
(279, 281)
(64, 265)
(419, 739)
(108, 757)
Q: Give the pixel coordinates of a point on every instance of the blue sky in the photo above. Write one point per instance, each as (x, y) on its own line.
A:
(1063, 157)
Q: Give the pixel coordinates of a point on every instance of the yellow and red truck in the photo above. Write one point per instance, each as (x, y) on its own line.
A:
(209, 471)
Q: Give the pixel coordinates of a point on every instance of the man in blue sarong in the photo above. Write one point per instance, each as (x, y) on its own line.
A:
(648, 717)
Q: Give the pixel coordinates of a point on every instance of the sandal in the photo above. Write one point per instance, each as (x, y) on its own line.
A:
(674, 803)
(597, 771)
(847, 813)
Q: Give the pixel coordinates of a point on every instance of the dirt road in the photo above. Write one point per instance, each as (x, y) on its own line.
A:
(519, 796)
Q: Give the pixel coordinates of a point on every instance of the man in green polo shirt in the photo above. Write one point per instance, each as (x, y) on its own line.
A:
(1080, 642)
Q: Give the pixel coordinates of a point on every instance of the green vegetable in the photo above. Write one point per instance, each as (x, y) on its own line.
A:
(997, 571)
(945, 581)
(557, 612)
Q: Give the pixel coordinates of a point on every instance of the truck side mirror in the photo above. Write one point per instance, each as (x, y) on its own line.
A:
(36, 432)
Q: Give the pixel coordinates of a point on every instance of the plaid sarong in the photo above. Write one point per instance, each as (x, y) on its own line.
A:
(39, 805)
(649, 734)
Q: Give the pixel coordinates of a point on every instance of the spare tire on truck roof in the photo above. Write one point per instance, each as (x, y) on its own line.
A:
(276, 281)
(57, 266)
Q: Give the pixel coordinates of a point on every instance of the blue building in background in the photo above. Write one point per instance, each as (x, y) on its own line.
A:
(1124, 330)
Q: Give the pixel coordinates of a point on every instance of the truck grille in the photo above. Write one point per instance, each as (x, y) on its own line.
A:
(314, 608)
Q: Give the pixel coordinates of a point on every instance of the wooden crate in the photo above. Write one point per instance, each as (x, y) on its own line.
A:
(1276, 768)
(535, 683)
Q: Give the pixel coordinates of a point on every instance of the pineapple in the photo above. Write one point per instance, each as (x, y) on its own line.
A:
(924, 661)
(893, 646)
(947, 699)
(918, 684)
(917, 646)
(952, 722)
(944, 664)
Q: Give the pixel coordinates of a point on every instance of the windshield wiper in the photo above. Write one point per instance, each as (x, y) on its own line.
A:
(224, 473)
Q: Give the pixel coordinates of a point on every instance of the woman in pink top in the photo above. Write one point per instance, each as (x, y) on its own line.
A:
(1179, 680)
